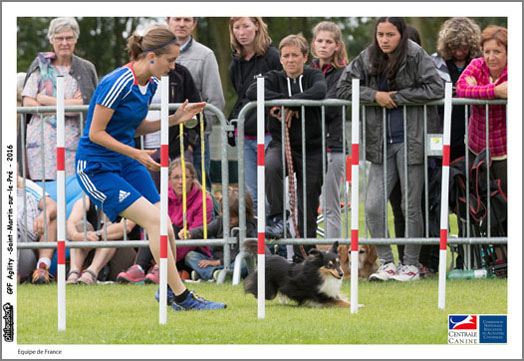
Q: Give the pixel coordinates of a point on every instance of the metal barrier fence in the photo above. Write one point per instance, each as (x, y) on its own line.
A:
(226, 241)
(466, 239)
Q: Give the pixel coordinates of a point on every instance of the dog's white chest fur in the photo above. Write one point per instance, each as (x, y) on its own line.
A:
(331, 287)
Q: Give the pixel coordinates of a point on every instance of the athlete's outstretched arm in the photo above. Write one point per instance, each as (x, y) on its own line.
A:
(182, 114)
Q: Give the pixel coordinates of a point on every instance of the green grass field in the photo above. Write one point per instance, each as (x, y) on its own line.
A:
(394, 313)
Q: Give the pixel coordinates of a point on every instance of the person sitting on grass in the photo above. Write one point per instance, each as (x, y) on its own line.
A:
(31, 223)
(208, 267)
(94, 260)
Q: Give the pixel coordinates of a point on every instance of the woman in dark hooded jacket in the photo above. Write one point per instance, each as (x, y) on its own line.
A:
(253, 55)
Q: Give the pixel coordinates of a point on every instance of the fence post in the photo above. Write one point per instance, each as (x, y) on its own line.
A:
(355, 108)
(261, 204)
(61, 201)
(164, 160)
(444, 201)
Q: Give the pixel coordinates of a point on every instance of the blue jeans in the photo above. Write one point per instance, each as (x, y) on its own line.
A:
(197, 162)
(250, 166)
(193, 258)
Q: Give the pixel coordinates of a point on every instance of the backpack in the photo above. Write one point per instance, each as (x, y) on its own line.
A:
(478, 196)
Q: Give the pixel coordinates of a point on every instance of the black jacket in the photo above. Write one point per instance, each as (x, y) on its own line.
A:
(242, 74)
(279, 86)
(182, 87)
(333, 114)
(215, 229)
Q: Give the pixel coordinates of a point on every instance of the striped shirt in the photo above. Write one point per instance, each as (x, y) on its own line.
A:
(477, 120)
(119, 91)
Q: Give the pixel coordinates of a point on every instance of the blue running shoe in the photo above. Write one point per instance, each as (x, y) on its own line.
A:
(170, 295)
(195, 302)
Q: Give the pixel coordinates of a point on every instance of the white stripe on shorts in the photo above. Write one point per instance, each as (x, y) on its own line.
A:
(87, 182)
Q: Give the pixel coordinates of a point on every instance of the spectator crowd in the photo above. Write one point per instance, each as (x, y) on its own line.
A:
(394, 70)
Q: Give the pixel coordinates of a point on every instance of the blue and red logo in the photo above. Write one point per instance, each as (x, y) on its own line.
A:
(462, 322)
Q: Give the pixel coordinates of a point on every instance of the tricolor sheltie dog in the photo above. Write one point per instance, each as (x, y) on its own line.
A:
(318, 279)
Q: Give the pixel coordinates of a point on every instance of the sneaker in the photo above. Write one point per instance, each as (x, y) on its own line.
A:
(384, 273)
(184, 275)
(194, 275)
(134, 274)
(41, 276)
(195, 302)
(407, 273)
(170, 295)
(215, 274)
(153, 276)
(275, 228)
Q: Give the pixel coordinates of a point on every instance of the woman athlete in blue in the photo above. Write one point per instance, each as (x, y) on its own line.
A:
(108, 166)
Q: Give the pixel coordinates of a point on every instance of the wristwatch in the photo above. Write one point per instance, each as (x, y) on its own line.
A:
(98, 234)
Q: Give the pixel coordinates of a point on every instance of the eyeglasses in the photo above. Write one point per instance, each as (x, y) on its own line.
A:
(179, 177)
(60, 39)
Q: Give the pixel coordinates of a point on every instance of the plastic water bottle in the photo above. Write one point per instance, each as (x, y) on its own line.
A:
(458, 274)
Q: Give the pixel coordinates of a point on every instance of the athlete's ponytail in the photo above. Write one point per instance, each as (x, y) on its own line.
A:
(156, 39)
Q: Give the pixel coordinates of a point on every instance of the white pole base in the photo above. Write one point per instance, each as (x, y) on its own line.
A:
(261, 291)
(162, 316)
(354, 281)
(442, 265)
(61, 298)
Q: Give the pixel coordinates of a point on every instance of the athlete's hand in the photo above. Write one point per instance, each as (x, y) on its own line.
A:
(186, 112)
(384, 99)
(144, 158)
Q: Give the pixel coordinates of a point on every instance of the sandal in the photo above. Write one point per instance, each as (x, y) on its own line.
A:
(87, 278)
(72, 277)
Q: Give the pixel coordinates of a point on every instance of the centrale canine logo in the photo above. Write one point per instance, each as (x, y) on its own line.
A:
(462, 322)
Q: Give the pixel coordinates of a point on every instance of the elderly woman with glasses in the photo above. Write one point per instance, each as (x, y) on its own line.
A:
(80, 81)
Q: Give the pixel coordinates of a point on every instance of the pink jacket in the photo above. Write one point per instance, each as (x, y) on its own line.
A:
(194, 214)
(497, 113)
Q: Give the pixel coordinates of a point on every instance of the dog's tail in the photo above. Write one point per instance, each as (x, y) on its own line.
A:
(251, 247)
(251, 284)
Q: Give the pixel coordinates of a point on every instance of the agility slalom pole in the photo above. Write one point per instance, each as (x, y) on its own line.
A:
(61, 201)
(444, 209)
(355, 114)
(183, 166)
(203, 172)
(164, 164)
(261, 206)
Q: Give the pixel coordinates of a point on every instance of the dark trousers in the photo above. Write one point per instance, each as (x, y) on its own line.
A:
(275, 184)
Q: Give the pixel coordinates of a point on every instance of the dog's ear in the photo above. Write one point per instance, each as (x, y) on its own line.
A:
(334, 247)
(315, 255)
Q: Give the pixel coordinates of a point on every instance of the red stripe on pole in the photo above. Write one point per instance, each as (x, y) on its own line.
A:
(60, 250)
(163, 246)
(164, 155)
(354, 240)
(60, 158)
(445, 155)
(354, 154)
(443, 239)
(261, 243)
(260, 154)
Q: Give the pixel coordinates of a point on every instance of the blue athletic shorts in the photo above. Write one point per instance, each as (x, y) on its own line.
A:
(114, 186)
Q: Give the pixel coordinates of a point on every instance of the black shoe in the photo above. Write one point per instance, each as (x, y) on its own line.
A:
(275, 229)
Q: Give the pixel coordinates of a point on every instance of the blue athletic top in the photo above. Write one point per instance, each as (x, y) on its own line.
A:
(120, 91)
